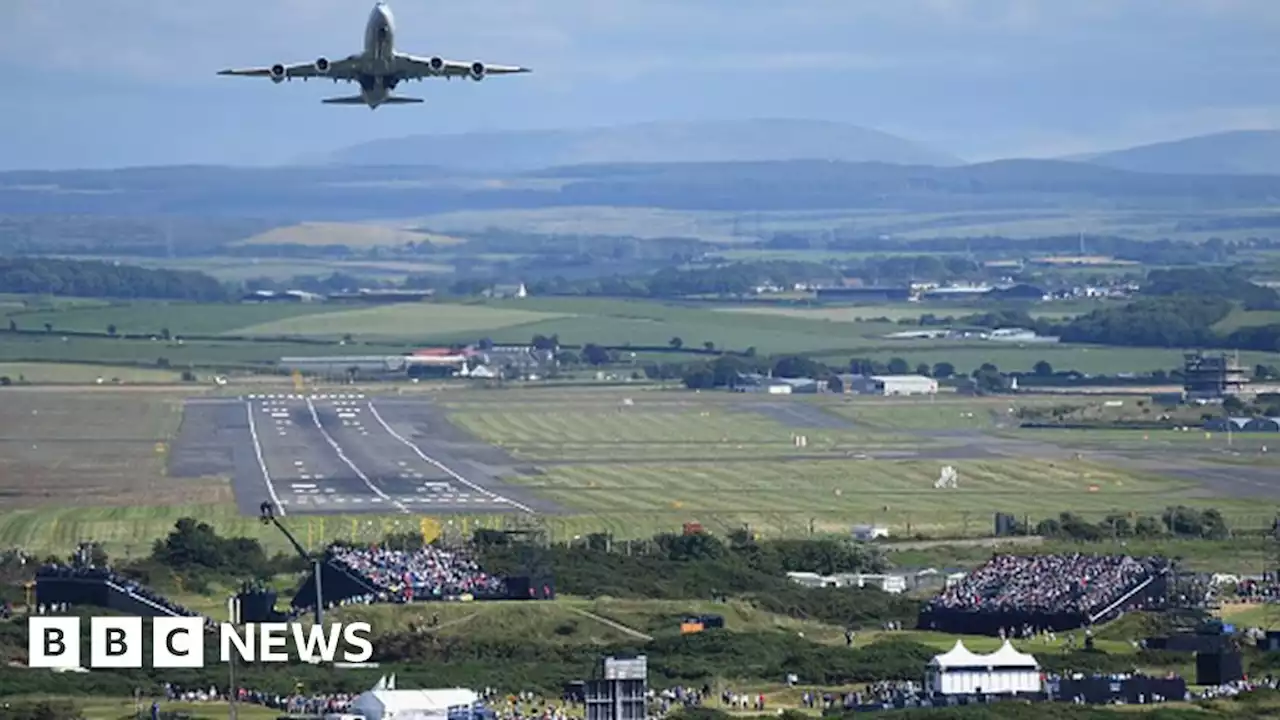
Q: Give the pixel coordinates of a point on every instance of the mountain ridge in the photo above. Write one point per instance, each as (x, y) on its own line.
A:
(1234, 152)
(762, 139)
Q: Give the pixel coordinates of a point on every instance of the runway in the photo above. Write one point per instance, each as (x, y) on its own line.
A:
(345, 453)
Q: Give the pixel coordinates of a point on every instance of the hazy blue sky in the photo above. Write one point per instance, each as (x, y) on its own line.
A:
(112, 82)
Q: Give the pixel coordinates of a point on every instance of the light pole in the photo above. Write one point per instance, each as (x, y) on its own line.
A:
(316, 561)
(233, 615)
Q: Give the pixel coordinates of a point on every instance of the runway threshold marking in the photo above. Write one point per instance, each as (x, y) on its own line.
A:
(343, 457)
(441, 466)
(262, 464)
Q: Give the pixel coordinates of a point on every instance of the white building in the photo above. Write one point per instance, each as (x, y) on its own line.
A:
(380, 704)
(893, 584)
(893, 385)
(867, 533)
(959, 671)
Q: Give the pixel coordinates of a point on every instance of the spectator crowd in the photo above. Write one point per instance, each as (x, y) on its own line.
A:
(428, 573)
(1046, 584)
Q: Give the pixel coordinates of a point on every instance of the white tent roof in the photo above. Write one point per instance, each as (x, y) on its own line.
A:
(379, 704)
(958, 656)
(1009, 656)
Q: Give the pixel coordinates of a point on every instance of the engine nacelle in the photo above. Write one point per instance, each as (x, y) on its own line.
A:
(277, 73)
(436, 64)
(477, 71)
(322, 66)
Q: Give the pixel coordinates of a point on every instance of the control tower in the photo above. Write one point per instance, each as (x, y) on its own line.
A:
(1213, 377)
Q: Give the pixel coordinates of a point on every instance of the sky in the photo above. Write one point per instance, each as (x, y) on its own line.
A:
(103, 83)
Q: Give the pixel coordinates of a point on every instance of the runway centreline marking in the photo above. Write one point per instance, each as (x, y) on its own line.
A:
(418, 451)
(343, 457)
(262, 464)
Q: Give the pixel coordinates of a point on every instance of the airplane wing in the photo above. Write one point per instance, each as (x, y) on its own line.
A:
(344, 69)
(412, 67)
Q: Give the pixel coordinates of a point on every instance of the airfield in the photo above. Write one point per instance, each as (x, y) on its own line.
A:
(122, 464)
(343, 453)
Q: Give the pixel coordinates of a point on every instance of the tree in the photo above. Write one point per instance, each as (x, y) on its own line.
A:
(1233, 405)
(710, 346)
(593, 354)
(1042, 369)
(922, 369)
(898, 366)
(795, 366)
(675, 343)
(48, 327)
(13, 326)
(165, 334)
(943, 370)
(111, 330)
(699, 378)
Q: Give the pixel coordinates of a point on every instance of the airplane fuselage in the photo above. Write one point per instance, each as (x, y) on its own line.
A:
(379, 56)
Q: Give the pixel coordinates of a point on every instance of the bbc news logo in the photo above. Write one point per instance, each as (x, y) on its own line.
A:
(179, 642)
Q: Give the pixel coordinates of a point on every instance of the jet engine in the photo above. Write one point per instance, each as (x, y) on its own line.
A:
(436, 64)
(322, 66)
(477, 71)
(277, 73)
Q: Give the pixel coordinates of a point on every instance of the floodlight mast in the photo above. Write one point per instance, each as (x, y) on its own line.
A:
(269, 518)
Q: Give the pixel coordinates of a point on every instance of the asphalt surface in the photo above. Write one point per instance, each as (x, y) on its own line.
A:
(345, 453)
(798, 415)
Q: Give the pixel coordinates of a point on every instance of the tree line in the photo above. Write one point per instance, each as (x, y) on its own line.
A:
(95, 279)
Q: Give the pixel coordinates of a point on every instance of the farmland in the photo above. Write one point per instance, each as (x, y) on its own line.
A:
(215, 334)
(404, 321)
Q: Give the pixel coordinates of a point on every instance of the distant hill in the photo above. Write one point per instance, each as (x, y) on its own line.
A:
(284, 196)
(1243, 152)
(727, 141)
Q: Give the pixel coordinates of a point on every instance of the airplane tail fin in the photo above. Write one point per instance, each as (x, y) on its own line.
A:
(358, 100)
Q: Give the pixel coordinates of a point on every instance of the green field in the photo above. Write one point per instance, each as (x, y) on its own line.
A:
(1247, 318)
(152, 317)
(732, 228)
(405, 320)
(832, 335)
(74, 374)
(635, 469)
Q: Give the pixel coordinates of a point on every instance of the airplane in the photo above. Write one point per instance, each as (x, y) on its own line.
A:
(379, 67)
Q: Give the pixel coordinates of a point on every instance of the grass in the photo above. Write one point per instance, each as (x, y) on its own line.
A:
(117, 708)
(201, 353)
(151, 317)
(636, 469)
(89, 466)
(89, 453)
(74, 374)
(392, 329)
(1240, 318)
(1261, 615)
(404, 320)
(233, 269)
(858, 313)
(352, 235)
(730, 228)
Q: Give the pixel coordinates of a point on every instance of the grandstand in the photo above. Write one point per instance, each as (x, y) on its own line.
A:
(1015, 595)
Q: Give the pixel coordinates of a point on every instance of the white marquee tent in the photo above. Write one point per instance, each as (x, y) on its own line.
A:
(380, 704)
(960, 671)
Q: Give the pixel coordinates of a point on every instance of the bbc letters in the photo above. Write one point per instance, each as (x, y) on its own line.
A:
(179, 642)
